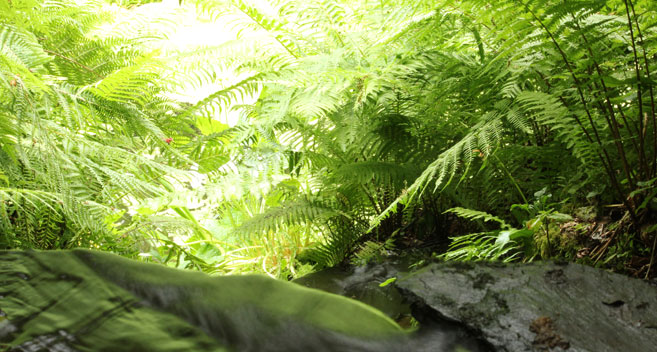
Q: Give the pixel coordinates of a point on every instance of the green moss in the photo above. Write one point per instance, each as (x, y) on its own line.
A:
(57, 298)
(278, 298)
(105, 301)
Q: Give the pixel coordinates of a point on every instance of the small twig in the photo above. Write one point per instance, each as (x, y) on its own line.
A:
(621, 224)
(603, 249)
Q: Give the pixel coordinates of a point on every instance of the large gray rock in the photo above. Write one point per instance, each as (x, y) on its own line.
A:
(542, 306)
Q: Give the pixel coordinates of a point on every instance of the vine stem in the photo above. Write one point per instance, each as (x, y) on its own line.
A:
(513, 180)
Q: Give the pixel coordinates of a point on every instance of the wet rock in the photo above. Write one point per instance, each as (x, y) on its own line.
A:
(541, 306)
(362, 283)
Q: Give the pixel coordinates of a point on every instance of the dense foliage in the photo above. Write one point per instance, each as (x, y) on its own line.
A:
(374, 125)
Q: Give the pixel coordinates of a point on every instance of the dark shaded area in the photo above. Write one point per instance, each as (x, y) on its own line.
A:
(363, 283)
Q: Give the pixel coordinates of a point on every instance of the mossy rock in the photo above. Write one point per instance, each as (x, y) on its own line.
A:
(83, 300)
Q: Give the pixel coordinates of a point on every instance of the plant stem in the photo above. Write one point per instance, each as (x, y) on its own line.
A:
(513, 180)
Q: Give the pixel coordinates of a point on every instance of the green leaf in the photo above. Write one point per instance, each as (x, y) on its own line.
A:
(388, 282)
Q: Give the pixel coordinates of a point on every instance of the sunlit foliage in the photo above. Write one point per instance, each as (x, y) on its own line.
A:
(355, 125)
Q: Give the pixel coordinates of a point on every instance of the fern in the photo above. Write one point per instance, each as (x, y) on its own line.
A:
(372, 252)
(288, 214)
(77, 116)
(476, 215)
(365, 115)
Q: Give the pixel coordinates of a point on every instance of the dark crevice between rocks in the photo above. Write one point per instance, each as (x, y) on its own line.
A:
(434, 325)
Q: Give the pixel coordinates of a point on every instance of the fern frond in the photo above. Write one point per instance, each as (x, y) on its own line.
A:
(476, 215)
(288, 214)
(21, 48)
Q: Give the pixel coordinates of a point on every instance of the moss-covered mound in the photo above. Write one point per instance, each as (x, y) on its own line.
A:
(83, 300)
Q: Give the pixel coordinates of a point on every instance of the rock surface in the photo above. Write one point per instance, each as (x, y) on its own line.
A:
(541, 306)
(363, 284)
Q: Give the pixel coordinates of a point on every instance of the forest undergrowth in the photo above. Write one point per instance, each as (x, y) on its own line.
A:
(319, 133)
